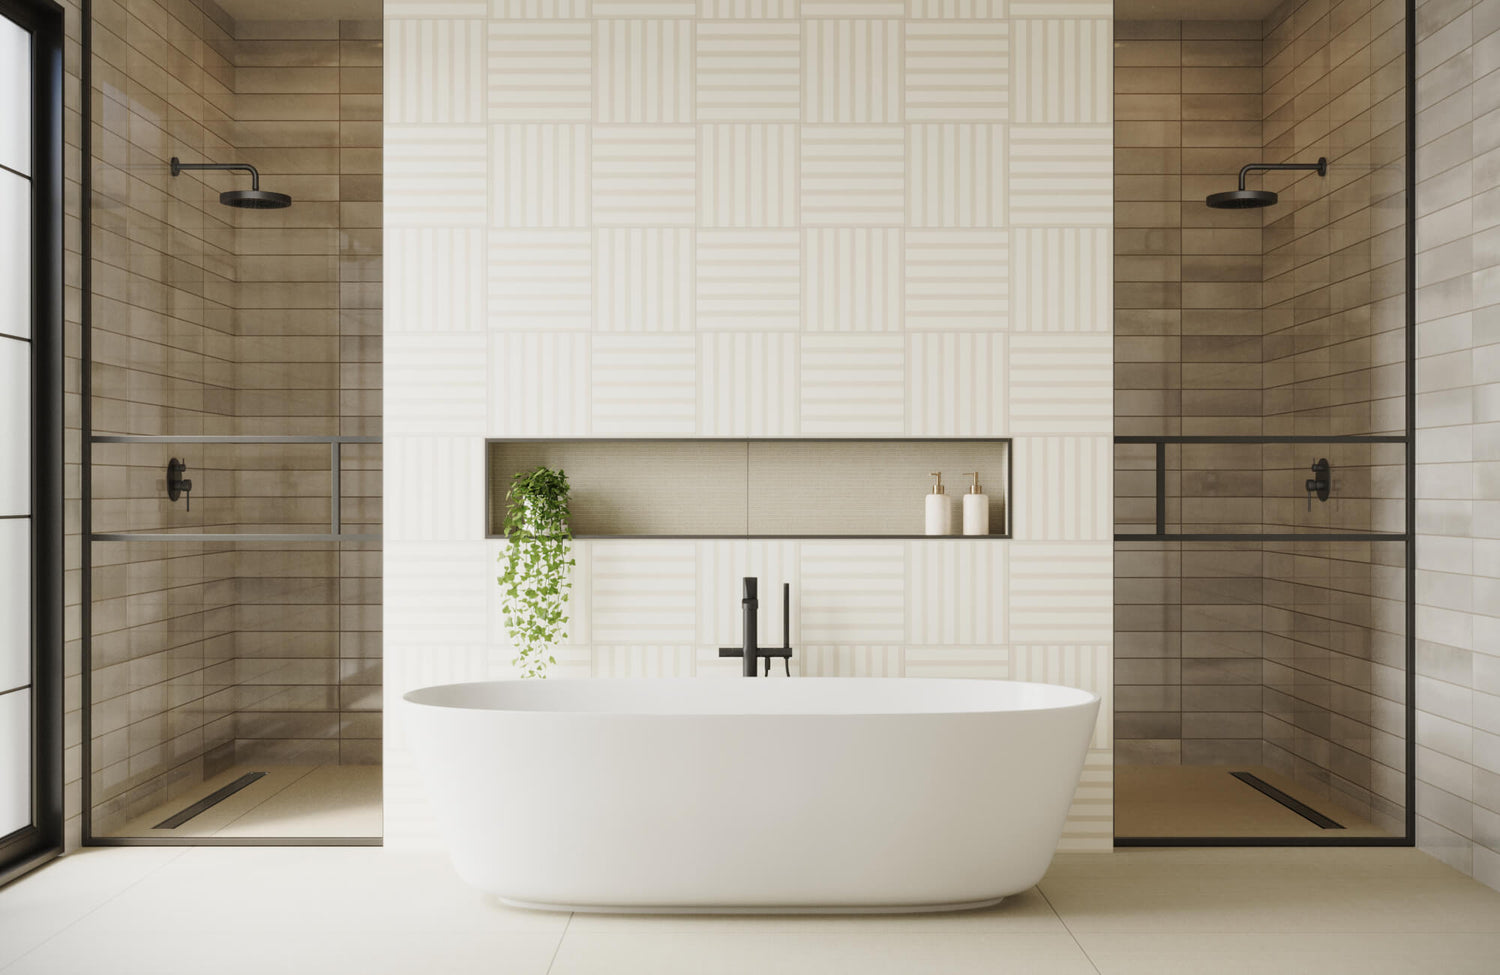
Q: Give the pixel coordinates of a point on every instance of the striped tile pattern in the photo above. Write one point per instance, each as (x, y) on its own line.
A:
(957, 175)
(643, 71)
(1046, 301)
(643, 279)
(851, 661)
(539, 384)
(540, 174)
(540, 71)
(746, 218)
(747, 385)
(721, 568)
(983, 663)
(955, 9)
(445, 290)
(748, 9)
(1061, 176)
(1057, 493)
(957, 279)
(644, 593)
(448, 58)
(852, 280)
(749, 280)
(749, 72)
(852, 71)
(958, 384)
(749, 176)
(1061, 591)
(853, 593)
(644, 385)
(1062, 71)
(436, 175)
(853, 385)
(853, 175)
(957, 71)
(540, 280)
(958, 593)
(1054, 384)
(644, 175)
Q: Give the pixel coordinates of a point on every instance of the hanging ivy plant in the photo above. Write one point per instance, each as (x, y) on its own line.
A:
(536, 567)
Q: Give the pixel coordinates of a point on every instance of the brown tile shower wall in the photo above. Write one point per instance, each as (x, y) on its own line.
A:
(307, 110)
(1278, 321)
(209, 320)
(162, 343)
(1334, 353)
(1188, 332)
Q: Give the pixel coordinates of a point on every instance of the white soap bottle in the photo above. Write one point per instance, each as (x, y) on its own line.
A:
(976, 509)
(939, 509)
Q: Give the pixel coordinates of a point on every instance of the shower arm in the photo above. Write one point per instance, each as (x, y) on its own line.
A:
(178, 167)
(1320, 167)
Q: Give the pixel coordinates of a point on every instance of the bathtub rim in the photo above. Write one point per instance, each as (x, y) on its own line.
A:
(1080, 698)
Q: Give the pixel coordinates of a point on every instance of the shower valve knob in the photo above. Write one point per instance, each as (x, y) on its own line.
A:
(177, 485)
(1319, 483)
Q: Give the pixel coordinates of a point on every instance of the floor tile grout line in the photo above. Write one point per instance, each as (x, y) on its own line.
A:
(95, 909)
(558, 950)
(1055, 913)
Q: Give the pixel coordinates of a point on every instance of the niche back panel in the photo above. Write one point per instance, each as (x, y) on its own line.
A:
(718, 488)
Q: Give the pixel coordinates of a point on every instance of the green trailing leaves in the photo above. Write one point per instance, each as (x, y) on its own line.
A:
(536, 567)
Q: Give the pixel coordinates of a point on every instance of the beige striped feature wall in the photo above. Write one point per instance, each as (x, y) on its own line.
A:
(862, 218)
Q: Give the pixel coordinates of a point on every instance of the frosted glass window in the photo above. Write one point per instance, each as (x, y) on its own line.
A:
(15, 427)
(15, 255)
(15, 603)
(15, 761)
(15, 97)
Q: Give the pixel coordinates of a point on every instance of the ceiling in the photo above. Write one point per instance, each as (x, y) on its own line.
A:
(1194, 9)
(302, 9)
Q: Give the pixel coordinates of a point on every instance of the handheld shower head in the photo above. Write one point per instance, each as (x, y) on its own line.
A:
(1243, 199)
(254, 198)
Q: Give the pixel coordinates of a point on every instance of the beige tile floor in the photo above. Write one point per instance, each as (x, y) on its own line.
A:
(351, 910)
(289, 801)
(1199, 800)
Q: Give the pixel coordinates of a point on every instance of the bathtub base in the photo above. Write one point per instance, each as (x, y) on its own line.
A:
(890, 909)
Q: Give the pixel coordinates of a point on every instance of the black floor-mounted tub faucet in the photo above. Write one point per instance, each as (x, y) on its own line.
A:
(752, 652)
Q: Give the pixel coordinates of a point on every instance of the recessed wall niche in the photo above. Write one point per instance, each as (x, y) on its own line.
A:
(758, 488)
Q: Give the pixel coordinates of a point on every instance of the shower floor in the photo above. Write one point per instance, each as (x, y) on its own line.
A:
(1196, 800)
(288, 801)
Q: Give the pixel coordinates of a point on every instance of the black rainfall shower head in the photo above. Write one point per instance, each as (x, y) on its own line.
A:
(1243, 199)
(254, 198)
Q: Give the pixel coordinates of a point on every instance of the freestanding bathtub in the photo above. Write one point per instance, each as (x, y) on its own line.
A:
(730, 796)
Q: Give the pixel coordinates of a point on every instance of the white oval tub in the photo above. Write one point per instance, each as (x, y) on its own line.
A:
(691, 794)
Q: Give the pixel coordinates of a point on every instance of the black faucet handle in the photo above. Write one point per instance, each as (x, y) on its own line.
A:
(751, 584)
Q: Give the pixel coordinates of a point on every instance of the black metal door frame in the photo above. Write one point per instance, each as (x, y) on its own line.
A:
(1407, 538)
(43, 839)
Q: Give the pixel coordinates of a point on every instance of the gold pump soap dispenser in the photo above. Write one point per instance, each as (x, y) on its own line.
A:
(976, 509)
(939, 509)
